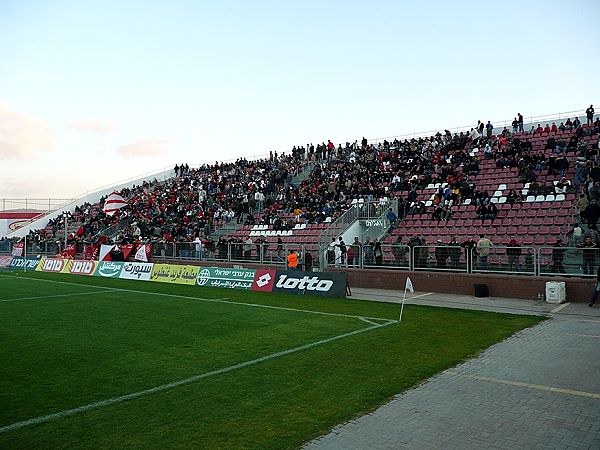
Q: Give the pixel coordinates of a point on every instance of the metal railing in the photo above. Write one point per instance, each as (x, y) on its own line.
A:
(498, 125)
(567, 261)
(43, 205)
(540, 261)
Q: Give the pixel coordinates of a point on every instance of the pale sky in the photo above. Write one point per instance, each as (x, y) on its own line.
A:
(94, 92)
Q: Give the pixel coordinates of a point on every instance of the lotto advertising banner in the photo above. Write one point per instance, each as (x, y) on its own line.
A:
(5, 261)
(136, 271)
(83, 268)
(56, 265)
(108, 269)
(327, 284)
(169, 273)
(263, 280)
(226, 278)
(22, 263)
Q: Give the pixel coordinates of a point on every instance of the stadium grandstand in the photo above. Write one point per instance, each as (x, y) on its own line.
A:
(423, 202)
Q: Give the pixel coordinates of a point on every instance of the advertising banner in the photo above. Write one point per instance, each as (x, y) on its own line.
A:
(136, 271)
(83, 268)
(170, 273)
(329, 284)
(226, 278)
(108, 269)
(22, 263)
(5, 261)
(56, 265)
(263, 280)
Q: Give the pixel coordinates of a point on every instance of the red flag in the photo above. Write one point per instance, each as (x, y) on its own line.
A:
(69, 252)
(126, 249)
(90, 252)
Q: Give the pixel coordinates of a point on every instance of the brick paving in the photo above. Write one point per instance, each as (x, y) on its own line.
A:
(537, 389)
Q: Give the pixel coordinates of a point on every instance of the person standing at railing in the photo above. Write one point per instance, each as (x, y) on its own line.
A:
(589, 255)
(513, 251)
(441, 254)
(589, 113)
(484, 246)
(292, 260)
(454, 251)
(520, 118)
(558, 257)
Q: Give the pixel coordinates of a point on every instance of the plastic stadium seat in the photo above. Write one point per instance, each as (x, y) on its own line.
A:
(527, 240)
(428, 203)
(502, 200)
(494, 200)
(502, 187)
(561, 197)
(498, 194)
(539, 240)
(549, 198)
(530, 198)
(540, 198)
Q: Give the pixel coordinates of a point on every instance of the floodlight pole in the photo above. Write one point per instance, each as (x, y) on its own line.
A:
(65, 219)
(25, 253)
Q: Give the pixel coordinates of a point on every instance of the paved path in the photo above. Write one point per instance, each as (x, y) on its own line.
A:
(537, 389)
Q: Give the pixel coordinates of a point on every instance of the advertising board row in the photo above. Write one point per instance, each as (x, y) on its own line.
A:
(330, 284)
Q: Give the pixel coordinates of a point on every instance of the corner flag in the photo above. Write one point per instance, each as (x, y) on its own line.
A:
(409, 286)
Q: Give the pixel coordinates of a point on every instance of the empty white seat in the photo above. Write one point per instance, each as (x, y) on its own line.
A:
(494, 199)
(530, 198)
(253, 233)
(560, 197)
(430, 186)
(467, 201)
(328, 220)
(354, 201)
(549, 198)
(255, 227)
(428, 203)
(502, 200)
(540, 198)
(526, 185)
(297, 226)
(502, 187)
(498, 194)
(524, 191)
(303, 226)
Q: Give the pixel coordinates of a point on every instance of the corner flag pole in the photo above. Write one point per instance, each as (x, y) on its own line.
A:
(408, 287)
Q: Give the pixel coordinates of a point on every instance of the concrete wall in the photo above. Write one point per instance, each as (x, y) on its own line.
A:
(579, 290)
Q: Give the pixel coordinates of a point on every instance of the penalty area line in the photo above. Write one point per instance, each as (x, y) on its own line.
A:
(164, 387)
(57, 296)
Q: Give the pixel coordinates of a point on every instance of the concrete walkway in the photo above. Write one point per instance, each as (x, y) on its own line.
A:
(537, 389)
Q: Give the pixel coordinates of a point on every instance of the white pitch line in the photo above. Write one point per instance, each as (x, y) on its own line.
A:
(421, 295)
(558, 308)
(163, 387)
(55, 296)
(215, 300)
(367, 321)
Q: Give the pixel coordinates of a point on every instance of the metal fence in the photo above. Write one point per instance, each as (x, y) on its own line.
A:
(546, 260)
(568, 261)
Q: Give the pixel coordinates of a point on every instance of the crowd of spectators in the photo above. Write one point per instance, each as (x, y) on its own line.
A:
(197, 200)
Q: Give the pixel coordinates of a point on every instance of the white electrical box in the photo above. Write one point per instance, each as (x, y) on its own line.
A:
(556, 292)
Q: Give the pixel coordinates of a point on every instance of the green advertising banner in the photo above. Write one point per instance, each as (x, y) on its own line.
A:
(108, 269)
(226, 278)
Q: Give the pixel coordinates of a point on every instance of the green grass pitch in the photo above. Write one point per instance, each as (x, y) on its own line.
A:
(91, 362)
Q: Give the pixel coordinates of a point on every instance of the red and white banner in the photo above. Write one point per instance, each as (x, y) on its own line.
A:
(69, 252)
(91, 252)
(105, 252)
(143, 253)
(126, 249)
(113, 203)
(18, 249)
